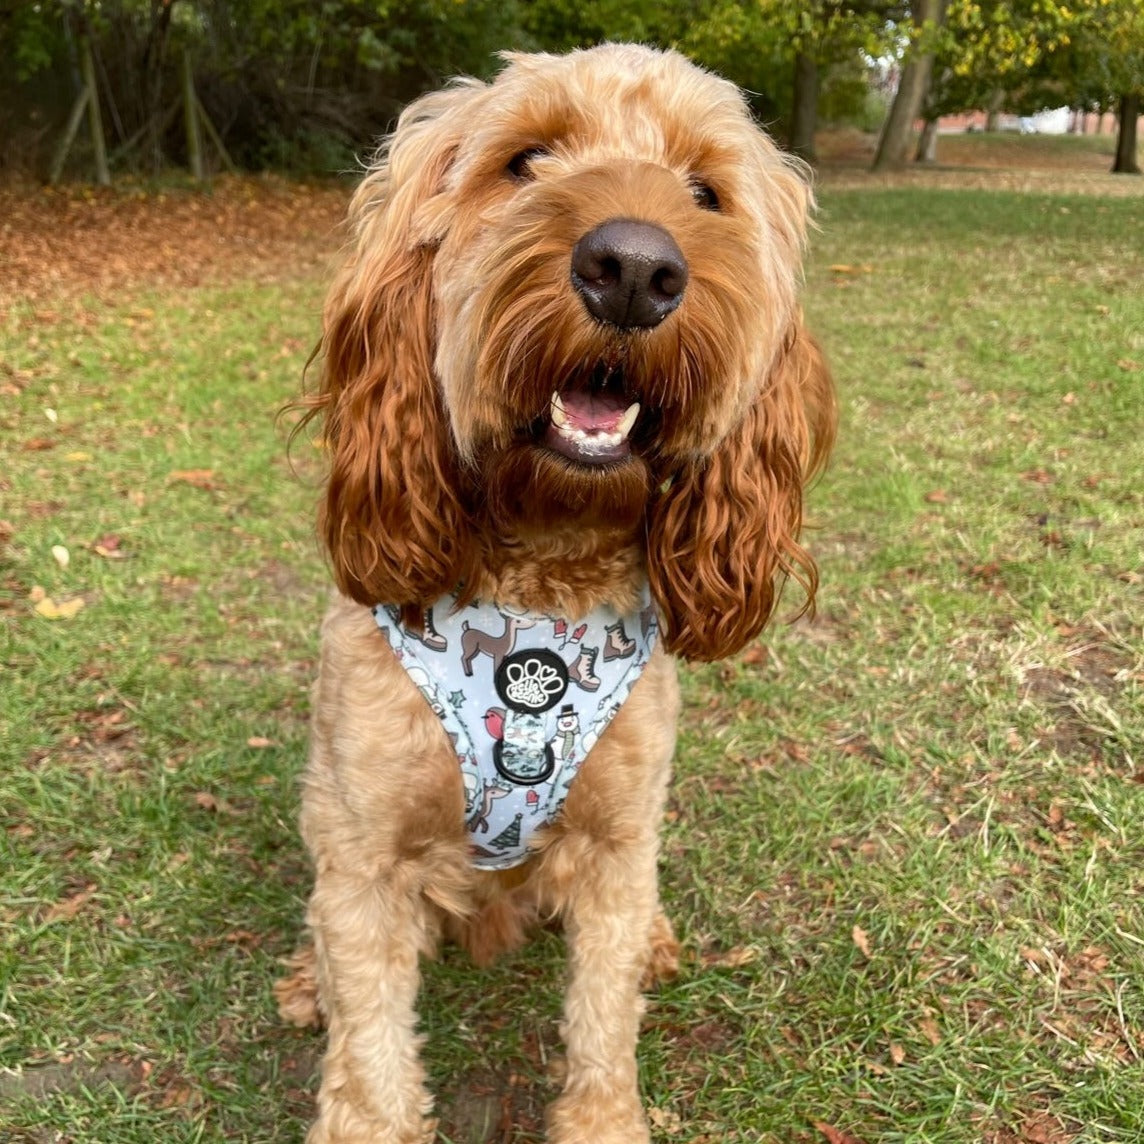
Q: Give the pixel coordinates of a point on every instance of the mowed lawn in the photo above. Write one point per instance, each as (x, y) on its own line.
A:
(905, 849)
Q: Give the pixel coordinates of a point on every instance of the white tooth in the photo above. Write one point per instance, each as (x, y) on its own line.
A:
(558, 413)
(628, 420)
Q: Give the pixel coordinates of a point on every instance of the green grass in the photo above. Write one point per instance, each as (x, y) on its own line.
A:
(905, 849)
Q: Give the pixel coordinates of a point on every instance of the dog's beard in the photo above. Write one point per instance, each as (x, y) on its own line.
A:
(529, 489)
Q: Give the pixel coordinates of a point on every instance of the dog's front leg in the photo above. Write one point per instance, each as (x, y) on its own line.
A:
(608, 919)
(600, 873)
(367, 938)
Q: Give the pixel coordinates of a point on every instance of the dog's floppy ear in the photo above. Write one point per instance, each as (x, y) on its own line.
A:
(392, 520)
(724, 535)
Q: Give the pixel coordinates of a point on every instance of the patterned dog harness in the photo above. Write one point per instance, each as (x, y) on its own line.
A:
(524, 697)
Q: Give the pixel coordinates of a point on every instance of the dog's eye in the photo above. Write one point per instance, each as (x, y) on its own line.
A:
(704, 195)
(520, 165)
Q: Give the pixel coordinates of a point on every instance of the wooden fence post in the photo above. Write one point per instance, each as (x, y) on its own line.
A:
(94, 119)
(191, 120)
(215, 138)
(60, 157)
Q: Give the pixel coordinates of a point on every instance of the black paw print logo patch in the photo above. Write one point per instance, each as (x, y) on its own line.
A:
(531, 681)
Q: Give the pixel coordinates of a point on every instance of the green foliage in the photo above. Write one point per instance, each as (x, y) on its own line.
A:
(303, 85)
(560, 25)
(292, 82)
(1038, 53)
(31, 38)
(1104, 57)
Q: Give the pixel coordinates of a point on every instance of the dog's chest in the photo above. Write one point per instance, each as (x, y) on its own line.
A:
(523, 697)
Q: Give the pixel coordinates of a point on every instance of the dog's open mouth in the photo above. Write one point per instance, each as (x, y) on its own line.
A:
(592, 423)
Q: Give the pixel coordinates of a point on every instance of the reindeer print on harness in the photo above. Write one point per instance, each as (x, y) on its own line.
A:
(523, 697)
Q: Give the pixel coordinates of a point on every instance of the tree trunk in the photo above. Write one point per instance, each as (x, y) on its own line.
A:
(153, 53)
(804, 115)
(993, 113)
(927, 143)
(912, 88)
(1126, 163)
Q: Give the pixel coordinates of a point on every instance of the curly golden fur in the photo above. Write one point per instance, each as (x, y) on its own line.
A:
(453, 321)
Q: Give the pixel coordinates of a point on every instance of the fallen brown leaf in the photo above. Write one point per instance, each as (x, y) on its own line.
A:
(730, 958)
(835, 1135)
(1041, 1128)
(107, 546)
(49, 609)
(207, 801)
(69, 907)
(930, 1030)
(665, 1120)
(197, 478)
(862, 940)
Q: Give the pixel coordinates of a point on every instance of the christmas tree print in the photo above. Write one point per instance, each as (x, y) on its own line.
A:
(510, 836)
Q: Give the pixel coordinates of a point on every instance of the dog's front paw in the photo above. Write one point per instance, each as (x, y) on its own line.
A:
(297, 995)
(597, 1117)
(343, 1126)
(663, 954)
(342, 1120)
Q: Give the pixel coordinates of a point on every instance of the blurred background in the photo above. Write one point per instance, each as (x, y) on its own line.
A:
(295, 86)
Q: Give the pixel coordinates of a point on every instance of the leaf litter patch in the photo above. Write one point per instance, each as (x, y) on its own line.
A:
(63, 245)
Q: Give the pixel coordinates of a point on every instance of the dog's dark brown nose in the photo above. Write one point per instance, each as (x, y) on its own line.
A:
(629, 274)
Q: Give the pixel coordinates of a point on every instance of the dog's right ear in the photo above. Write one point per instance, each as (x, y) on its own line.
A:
(393, 521)
(724, 535)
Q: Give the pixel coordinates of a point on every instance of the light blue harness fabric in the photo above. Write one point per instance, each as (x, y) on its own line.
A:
(524, 697)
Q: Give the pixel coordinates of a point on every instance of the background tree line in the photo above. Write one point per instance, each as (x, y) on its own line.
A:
(305, 84)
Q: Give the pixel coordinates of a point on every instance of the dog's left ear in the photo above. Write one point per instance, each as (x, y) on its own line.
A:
(724, 535)
(393, 519)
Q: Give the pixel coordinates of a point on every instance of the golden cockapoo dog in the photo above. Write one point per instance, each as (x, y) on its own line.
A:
(564, 373)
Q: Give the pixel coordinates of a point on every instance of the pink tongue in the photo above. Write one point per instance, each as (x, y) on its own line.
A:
(592, 412)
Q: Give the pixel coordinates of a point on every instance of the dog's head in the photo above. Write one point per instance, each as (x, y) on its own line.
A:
(571, 302)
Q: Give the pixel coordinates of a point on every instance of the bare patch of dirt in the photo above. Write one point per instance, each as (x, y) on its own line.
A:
(104, 739)
(1093, 674)
(283, 579)
(1036, 1128)
(484, 1108)
(39, 1081)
